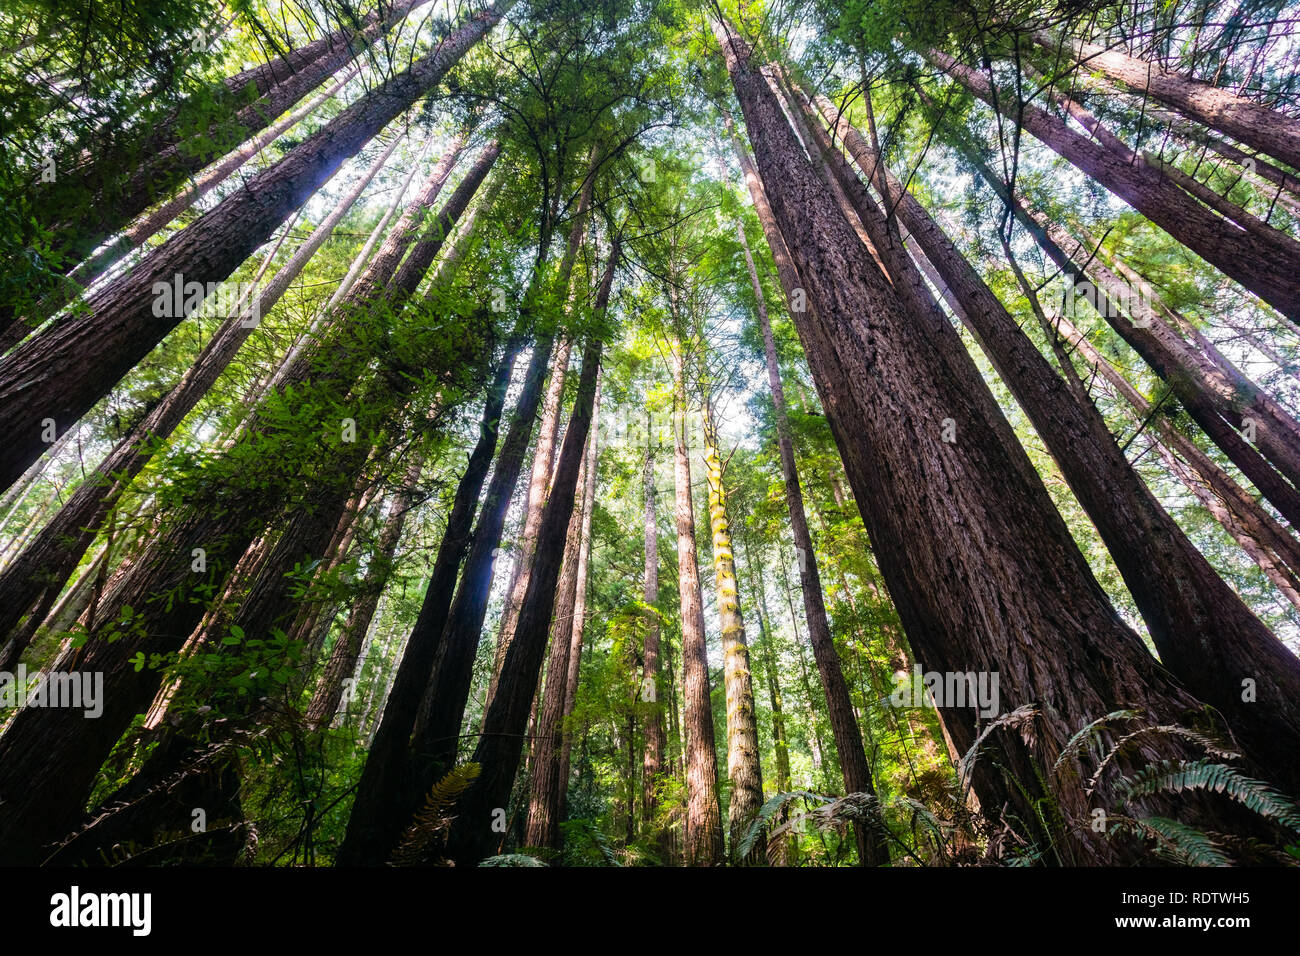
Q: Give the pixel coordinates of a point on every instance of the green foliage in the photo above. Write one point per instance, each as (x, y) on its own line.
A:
(433, 818)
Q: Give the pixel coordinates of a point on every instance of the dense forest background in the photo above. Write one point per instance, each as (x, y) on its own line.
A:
(649, 432)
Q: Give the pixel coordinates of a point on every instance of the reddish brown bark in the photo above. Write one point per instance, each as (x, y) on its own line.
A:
(500, 746)
(543, 828)
(1246, 121)
(61, 373)
(42, 791)
(1267, 269)
(844, 727)
(981, 567)
(704, 842)
(1202, 629)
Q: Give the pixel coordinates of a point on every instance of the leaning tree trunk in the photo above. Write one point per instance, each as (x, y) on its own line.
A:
(347, 648)
(539, 483)
(982, 568)
(844, 727)
(1160, 351)
(435, 741)
(1246, 121)
(1259, 535)
(270, 600)
(1202, 629)
(42, 791)
(378, 812)
(152, 222)
(473, 833)
(35, 579)
(1264, 268)
(743, 767)
(544, 455)
(166, 165)
(576, 637)
(60, 374)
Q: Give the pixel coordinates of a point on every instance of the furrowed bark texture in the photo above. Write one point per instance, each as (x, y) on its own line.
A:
(1265, 268)
(473, 835)
(981, 567)
(1202, 629)
(844, 727)
(704, 844)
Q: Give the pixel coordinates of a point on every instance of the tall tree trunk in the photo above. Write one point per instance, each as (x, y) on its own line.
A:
(848, 737)
(1231, 504)
(1265, 268)
(473, 835)
(539, 482)
(61, 373)
(151, 223)
(981, 567)
(35, 579)
(743, 765)
(780, 742)
(435, 741)
(347, 648)
(652, 763)
(166, 165)
(544, 455)
(579, 624)
(1246, 121)
(1157, 346)
(269, 600)
(379, 810)
(42, 791)
(544, 819)
(1202, 629)
(704, 840)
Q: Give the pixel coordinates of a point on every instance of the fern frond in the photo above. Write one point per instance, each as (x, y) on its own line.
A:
(512, 859)
(1182, 843)
(1176, 776)
(770, 808)
(1209, 744)
(432, 818)
(1014, 720)
(1090, 734)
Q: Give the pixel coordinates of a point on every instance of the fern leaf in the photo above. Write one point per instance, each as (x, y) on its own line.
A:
(1178, 775)
(512, 859)
(432, 818)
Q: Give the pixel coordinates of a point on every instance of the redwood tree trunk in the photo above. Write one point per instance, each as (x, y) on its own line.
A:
(33, 581)
(42, 791)
(379, 810)
(704, 840)
(61, 373)
(473, 835)
(844, 727)
(1267, 269)
(576, 638)
(652, 763)
(347, 648)
(981, 567)
(1202, 629)
(743, 766)
(1246, 121)
(543, 829)
(1158, 349)
(544, 455)
(165, 165)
